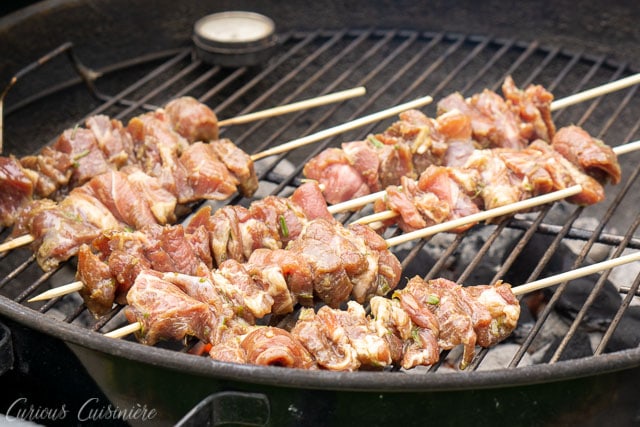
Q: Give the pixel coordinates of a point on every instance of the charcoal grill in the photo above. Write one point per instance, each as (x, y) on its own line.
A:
(395, 65)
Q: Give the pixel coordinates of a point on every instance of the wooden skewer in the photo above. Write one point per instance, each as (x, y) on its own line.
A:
(124, 331)
(483, 215)
(356, 203)
(300, 142)
(596, 91)
(518, 290)
(58, 292)
(296, 106)
(575, 274)
(16, 243)
(388, 214)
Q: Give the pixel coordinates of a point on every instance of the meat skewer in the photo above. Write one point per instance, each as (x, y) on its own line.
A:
(295, 231)
(239, 160)
(459, 224)
(238, 222)
(81, 153)
(592, 195)
(410, 145)
(359, 202)
(409, 330)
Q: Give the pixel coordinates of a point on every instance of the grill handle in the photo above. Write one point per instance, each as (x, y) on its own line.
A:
(229, 407)
(6, 349)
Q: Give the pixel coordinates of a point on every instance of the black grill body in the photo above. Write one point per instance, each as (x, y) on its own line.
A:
(440, 51)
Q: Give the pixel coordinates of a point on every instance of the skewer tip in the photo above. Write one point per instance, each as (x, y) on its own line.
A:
(124, 331)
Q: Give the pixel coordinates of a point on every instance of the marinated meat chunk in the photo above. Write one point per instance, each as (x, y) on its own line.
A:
(392, 324)
(385, 274)
(493, 122)
(158, 148)
(113, 140)
(52, 170)
(284, 219)
(207, 175)
(506, 127)
(527, 167)
(422, 349)
(99, 290)
(309, 198)
(161, 202)
(168, 249)
(253, 296)
(283, 268)
(340, 180)
(372, 351)
(500, 186)
(192, 119)
(81, 146)
(276, 347)
(226, 317)
(229, 350)
(533, 105)
(323, 337)
(482, 315)
(226, 235)
(455, 187)
(239, 164)
(591, 155)
(503, 307)
(564, 174)
(363, 156)
(114, 191)
(395, 161)
(16, 189)
(165, 311)
(419, 142)
(59, 230)
(417, 208)
(330, 280)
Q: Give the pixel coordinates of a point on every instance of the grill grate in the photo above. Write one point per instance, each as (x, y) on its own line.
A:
(395, 66)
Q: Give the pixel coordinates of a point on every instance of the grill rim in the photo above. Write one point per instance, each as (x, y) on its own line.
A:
(325, 380)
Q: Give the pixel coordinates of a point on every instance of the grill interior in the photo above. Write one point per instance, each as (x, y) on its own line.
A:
(395, 66)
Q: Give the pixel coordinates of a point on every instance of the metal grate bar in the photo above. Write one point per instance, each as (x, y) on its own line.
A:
(542, 318)
(305, 86)
(633, 291)
(597, 65)
(590, 300)
(530, 50)
(506, 46)
(267, 71)
(551, 55)
(594, 104)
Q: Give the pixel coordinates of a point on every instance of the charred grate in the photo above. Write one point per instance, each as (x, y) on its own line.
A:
(395, 66)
